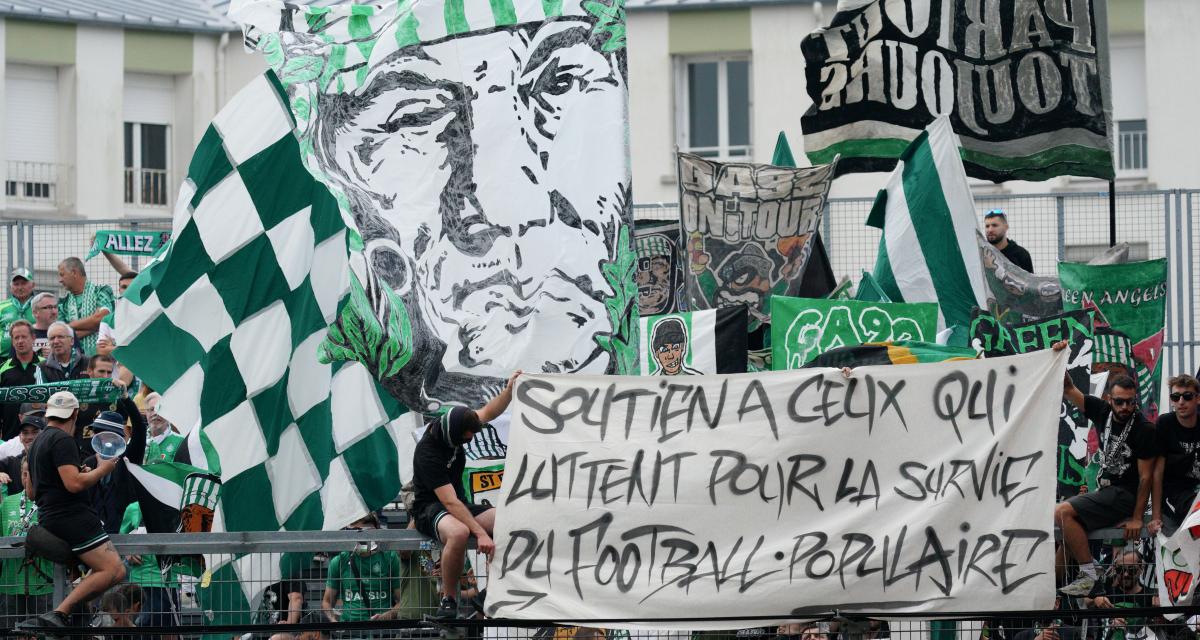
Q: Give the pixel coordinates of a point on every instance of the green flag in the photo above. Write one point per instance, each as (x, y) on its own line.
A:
(783, 152)
(129, 243)
(1129, 300)
(803, 329)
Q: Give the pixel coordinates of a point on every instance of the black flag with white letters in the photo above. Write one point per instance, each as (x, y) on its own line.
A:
(1025, 82)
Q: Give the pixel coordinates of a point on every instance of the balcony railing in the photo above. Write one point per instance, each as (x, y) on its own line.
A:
(147, 187)
(33, 182)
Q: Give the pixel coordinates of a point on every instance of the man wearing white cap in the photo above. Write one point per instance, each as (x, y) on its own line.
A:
(59, 487)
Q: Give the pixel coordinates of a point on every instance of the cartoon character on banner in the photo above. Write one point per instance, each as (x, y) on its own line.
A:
(669, 346)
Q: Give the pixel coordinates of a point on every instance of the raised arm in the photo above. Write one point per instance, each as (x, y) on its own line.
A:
(499, 404)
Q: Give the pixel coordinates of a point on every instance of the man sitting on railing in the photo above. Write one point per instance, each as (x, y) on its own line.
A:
(440, 507)
(59, 484)
(1177, 475)
(1128, 457)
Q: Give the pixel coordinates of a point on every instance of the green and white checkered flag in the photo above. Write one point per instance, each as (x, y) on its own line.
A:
(229, 322)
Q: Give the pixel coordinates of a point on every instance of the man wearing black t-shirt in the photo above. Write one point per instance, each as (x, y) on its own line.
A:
(1128, 456)
(1177, 475)
(440, 507)
(59, 485)
(995, 228)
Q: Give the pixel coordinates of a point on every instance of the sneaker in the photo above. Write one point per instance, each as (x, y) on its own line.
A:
(1082, 586)
(447, 610)
(48, 620)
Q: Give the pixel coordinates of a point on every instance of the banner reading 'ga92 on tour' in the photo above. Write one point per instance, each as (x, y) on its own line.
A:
(920, 489)
(1025, 83)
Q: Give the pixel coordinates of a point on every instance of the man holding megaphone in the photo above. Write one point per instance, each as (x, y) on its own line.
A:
(59, 485)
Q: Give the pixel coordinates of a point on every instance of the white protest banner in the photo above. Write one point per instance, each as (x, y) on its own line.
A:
(918, 488)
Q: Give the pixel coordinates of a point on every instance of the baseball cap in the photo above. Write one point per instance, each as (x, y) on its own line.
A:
(21, 272)
(61, 405)
(109, 421)
(34, 421)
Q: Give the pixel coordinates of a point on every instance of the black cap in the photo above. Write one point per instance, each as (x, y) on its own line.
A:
(34, 421)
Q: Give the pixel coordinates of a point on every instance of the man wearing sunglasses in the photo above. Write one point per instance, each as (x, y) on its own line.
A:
(1177, 474)
(1128, 454)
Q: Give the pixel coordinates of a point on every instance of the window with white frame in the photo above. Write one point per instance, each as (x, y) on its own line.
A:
(146, 153)
(713, 106)
(149, 113)
(1131, 146)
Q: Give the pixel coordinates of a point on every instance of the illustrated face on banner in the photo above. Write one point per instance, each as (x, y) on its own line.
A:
(656, 273)
(748, 230)
(670, 345)
(654, 278)
(487, 173)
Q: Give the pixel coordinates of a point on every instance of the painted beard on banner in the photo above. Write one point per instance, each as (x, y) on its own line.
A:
(513, 255)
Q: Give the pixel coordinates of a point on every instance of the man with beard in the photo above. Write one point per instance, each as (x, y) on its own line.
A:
(1128, 458)
(670, 347)
(995, 227)
(463, 169)
(440, 507)
(1177, 475)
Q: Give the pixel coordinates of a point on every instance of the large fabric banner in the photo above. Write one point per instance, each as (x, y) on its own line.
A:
(659, 268)
(995, 338)
(481, 152)
(1178, 564)
(803, 329)
(786, 492)
(1019, 296)
(750, 230)
(1129, 302)
(1026, 84)
(228, 321)
(695, 343)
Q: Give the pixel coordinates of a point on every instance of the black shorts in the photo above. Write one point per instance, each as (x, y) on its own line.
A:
(1176, 506)
(429, 515)
(1105, 507)
(82, 531)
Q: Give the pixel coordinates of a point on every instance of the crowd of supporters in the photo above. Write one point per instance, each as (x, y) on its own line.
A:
(1147, 482)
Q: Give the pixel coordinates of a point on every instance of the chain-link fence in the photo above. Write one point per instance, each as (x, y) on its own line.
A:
(386, 583)
(40, 246)
(1054, 227)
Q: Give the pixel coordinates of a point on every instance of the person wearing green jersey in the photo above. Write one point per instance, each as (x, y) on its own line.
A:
(17, 306)
(162, 443)
(364, 582)
(160, 599)
(24, 590)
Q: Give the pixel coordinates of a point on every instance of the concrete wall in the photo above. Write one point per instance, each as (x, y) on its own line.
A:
(1173, 87)
(240, 68)
(651, 108)
(99, 126)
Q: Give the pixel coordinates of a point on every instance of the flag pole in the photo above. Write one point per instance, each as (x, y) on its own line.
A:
(1112, 213)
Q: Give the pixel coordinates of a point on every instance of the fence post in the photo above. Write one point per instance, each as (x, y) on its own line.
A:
(1061, 212)
(1190, 349)
(28, 264)
(1180, 277)
(828, 224)
(60, 583)
(133, 260)
(11, 230)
